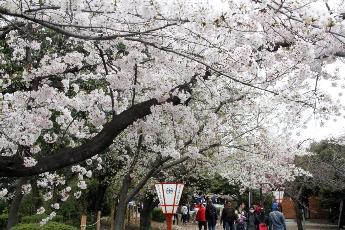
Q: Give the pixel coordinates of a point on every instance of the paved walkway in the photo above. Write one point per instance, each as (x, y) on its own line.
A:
(290, 224)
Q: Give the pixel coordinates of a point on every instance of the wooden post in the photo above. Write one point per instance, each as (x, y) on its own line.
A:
(132, 214)
(98, 225)
(136, 214)
(112, 218)
(127, 214)
(169, 221)
(341, 210)
(83, 222)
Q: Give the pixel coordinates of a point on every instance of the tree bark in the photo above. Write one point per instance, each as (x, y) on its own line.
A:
(36, 198)
(120, 213)
(298, 215)
(102, 188)
(15, 204)
(146, 212)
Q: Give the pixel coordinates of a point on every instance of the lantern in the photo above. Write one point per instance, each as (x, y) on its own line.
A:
(278, 195)
(169, 194)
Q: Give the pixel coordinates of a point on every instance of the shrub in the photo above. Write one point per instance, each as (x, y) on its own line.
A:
(3, 206)
(157, 215)
(37, 219)
(3, 220)
(105, 220)
(48, 226)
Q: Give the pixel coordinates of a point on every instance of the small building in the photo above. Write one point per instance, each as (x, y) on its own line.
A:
(312, 210)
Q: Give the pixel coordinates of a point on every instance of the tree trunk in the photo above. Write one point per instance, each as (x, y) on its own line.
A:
(15, 204)
(146, 212)
(102, 188)
(298, 215)
(120, 214)
(36, 198)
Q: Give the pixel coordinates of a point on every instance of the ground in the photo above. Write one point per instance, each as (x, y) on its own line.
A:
(314, 225)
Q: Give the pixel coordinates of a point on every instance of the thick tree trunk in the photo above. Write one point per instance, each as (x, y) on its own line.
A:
(120, 214)
(299, 217)
(102, 188)
(15, 204)
(146, 212)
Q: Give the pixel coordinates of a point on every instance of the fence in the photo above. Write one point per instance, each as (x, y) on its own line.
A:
(131, 217)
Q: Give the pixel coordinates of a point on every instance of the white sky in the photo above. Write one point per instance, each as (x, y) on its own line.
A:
(335, 126)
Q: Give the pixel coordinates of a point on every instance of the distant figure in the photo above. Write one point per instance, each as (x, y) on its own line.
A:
(275, 205)
(241, 217)
(200, 198)
(252, 220)
(211, 215)
(184, 211)
(242, 207)
(214, 199)
(228, 216)
(201, 217)
(277, 220)
(241, 221)
(261, 216)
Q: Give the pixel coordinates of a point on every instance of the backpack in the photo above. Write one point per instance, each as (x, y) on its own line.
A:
(263, 226)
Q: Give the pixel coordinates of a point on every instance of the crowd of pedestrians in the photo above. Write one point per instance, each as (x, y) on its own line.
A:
(230, 218)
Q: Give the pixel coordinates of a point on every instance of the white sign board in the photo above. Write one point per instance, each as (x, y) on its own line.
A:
(169, 195)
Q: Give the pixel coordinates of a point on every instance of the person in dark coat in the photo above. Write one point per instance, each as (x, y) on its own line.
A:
(228, 216)
(252, 220)
(211, 215)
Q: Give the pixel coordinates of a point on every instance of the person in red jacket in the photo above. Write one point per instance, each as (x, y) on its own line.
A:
(201, 217)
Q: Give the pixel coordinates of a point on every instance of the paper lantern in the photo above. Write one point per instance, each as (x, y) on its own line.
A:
(169, 195)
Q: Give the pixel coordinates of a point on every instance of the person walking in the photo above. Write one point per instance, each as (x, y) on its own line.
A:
(228, 216)
(241, 217)
(275, 204)
(201, 217)
(184, 212)
(211, 215)
(252, 220)
(261, 217)
(276, 220)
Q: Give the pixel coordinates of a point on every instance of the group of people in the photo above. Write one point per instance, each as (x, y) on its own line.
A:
(239, 219)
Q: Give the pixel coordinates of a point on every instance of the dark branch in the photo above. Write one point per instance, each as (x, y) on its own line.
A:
(78, 35)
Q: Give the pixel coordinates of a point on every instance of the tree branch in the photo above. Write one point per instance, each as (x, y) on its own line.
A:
(78, 35)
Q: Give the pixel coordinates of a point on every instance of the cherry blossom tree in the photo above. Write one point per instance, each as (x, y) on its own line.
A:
(148, 53)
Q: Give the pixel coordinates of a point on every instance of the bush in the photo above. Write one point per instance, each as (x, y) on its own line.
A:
(3, 207)
(157, 215)
(105, 220)
(37, 219)
(48, 226)
(3, 220)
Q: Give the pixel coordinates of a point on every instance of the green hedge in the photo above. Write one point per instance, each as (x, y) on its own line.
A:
(37, 219)
(3, 220)
(157, 215)
(48, 226)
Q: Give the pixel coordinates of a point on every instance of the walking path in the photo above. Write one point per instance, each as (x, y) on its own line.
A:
(290, 224)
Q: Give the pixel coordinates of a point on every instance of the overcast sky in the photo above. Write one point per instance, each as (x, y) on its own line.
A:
(336, 125)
